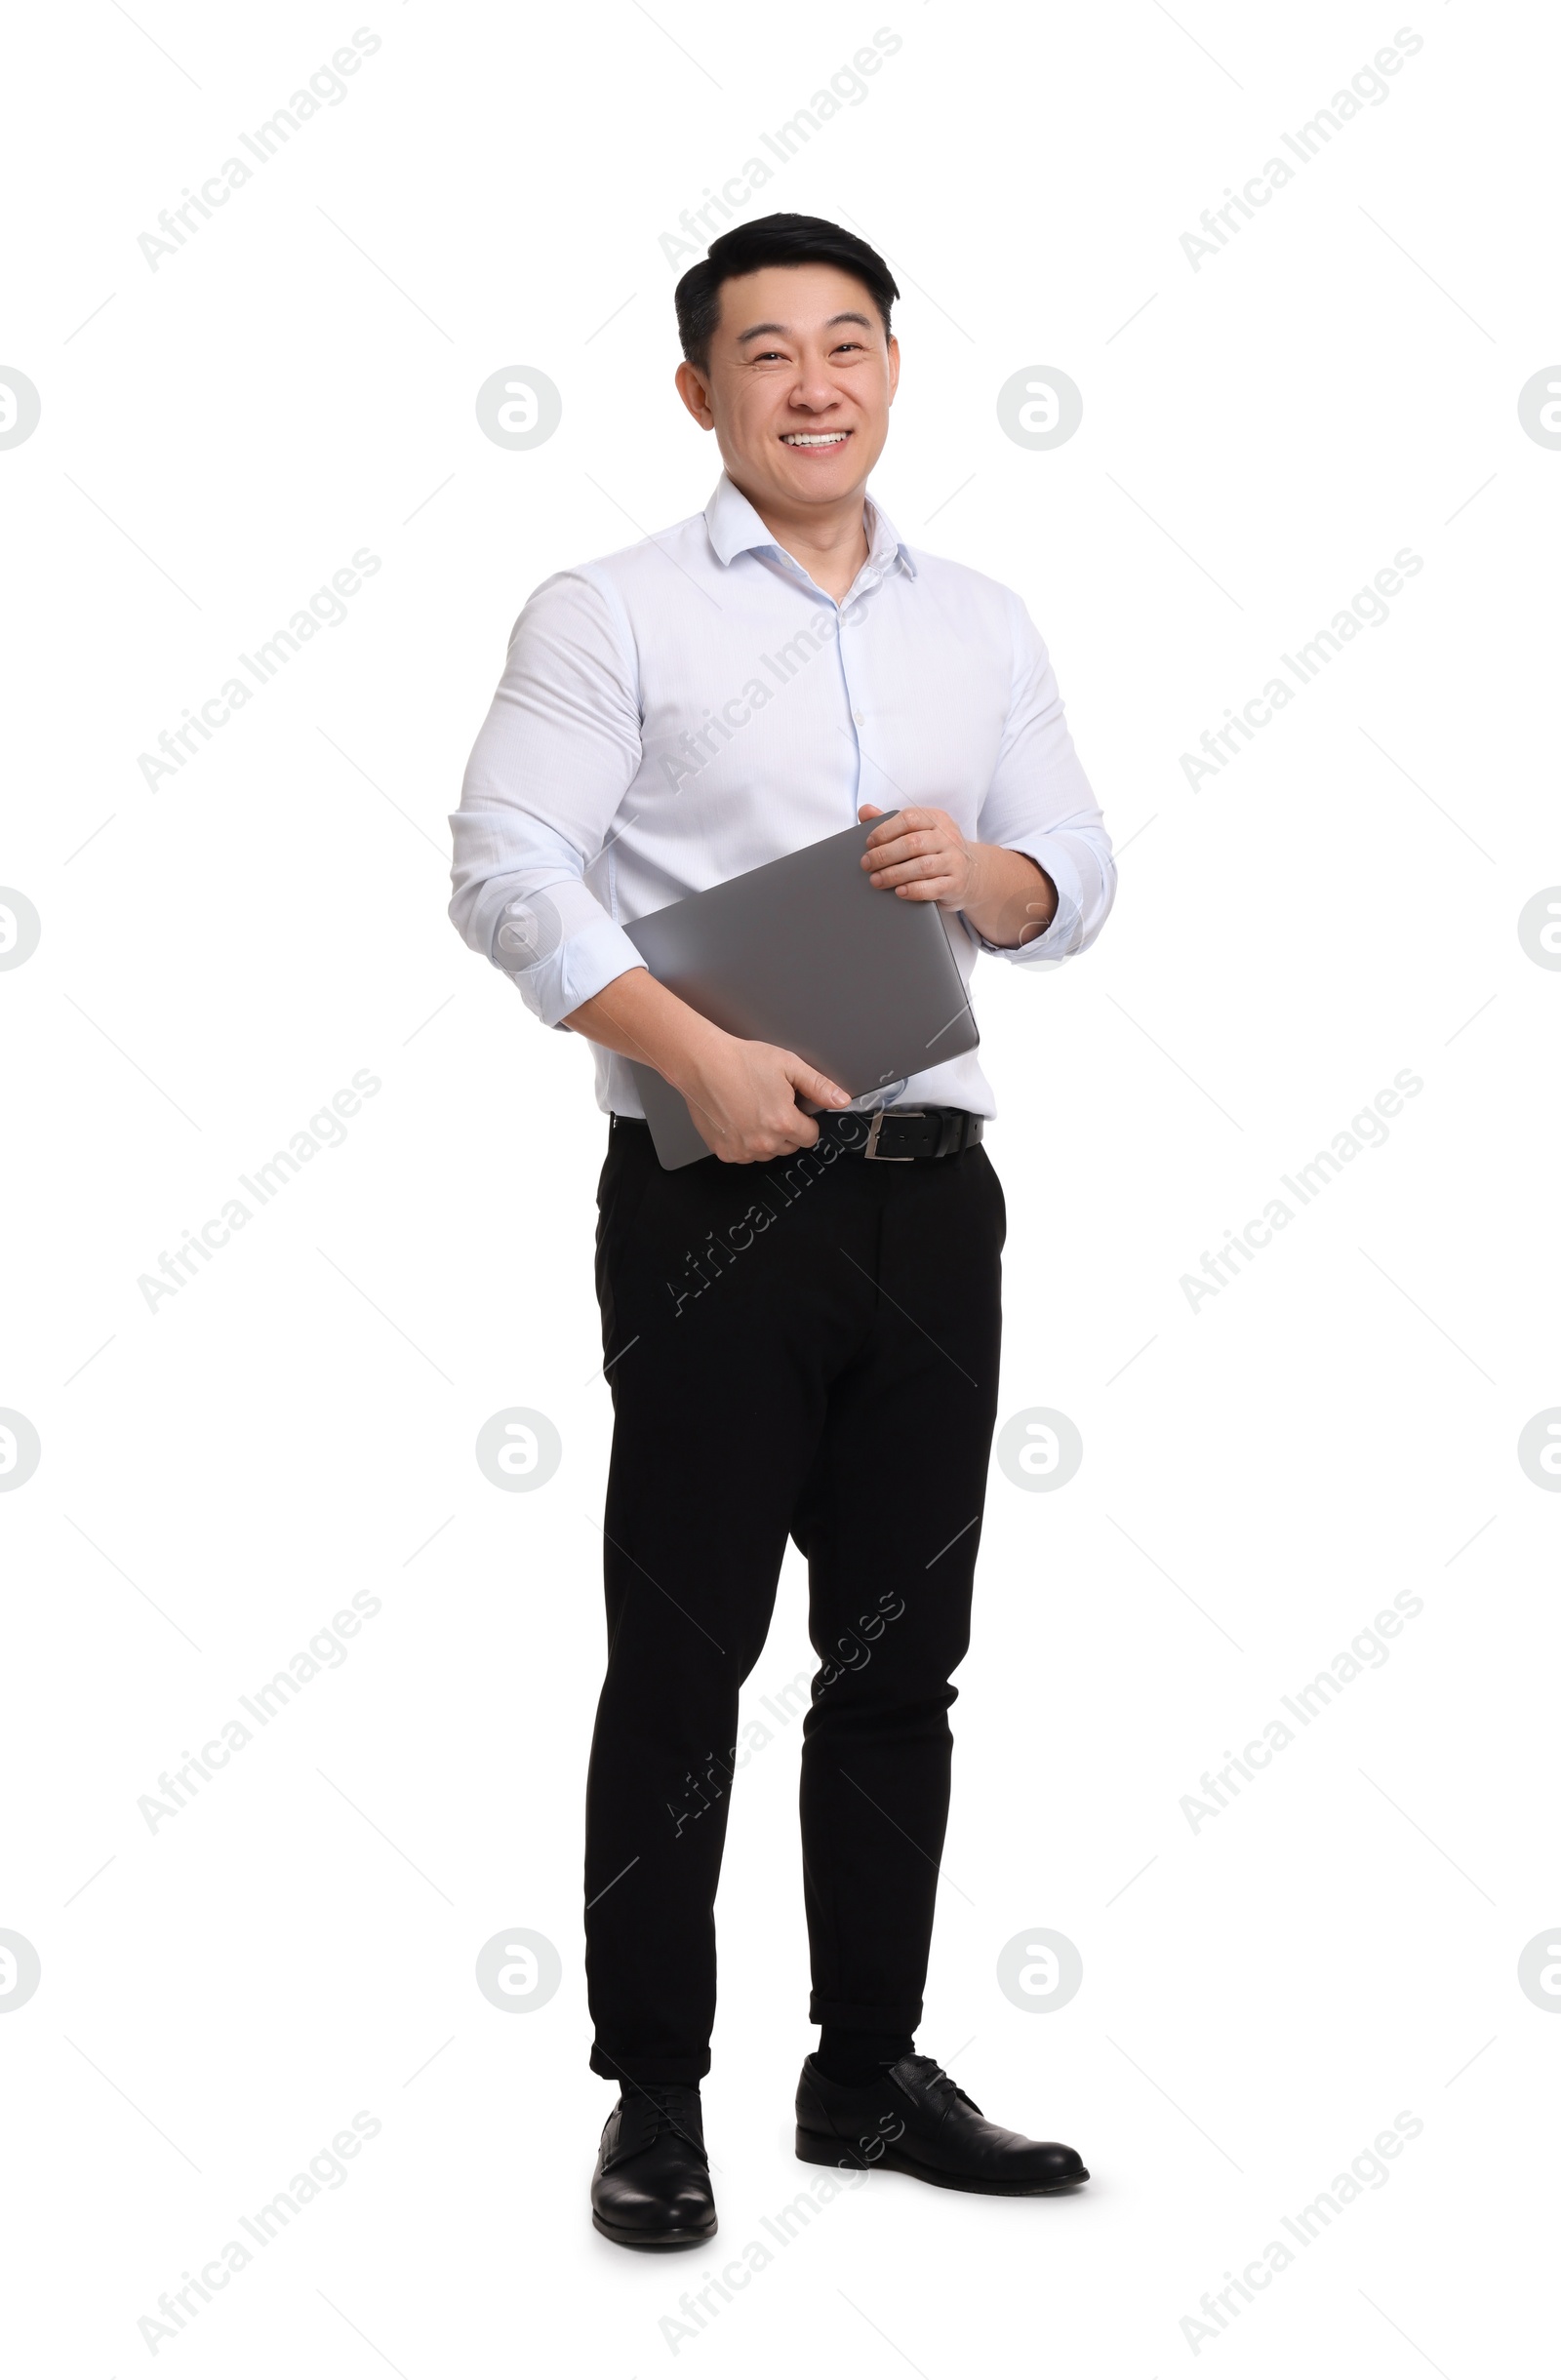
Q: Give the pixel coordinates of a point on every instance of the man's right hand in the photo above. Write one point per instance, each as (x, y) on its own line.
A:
(742, 1096)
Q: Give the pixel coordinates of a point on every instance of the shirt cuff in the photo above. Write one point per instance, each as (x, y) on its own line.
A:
(582, 965)
(1062, 935)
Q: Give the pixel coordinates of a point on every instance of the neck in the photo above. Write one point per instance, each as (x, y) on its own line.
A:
(830, 541)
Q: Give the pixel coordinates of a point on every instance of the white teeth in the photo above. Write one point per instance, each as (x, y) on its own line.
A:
(811, 438)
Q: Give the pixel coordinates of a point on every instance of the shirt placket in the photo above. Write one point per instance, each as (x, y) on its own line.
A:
(850, 615)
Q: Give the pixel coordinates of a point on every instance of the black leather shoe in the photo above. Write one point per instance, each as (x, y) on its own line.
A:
(652, 2183)
(916, 2120)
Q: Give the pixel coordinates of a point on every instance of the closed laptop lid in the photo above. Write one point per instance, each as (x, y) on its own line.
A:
(805, 952)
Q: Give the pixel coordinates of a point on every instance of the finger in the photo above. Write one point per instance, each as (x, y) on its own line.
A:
(781, 1140)
(896, 853)
(905, 871)
(890, 822)
(917, 870)
(814, 1086)
(869, 809)
(898, 835)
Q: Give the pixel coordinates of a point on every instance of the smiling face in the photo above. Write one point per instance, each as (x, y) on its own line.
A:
(797, 388)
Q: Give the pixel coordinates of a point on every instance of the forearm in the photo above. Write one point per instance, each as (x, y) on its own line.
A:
(638, 1017)
(1012, 898)
(743, 1095)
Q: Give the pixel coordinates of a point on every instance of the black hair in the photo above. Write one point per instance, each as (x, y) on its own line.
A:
(774, 239)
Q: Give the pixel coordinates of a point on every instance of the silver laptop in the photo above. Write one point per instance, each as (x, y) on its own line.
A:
(807, 953)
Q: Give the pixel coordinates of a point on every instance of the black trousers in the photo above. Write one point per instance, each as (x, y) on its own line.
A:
(806, 1348)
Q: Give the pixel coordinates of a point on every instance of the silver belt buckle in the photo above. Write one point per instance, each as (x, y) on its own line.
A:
(873, 1150)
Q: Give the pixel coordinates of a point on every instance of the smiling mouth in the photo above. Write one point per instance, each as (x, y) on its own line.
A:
(814, 438)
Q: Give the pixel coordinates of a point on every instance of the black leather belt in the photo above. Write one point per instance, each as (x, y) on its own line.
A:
(893, 1136)
(899, 1135)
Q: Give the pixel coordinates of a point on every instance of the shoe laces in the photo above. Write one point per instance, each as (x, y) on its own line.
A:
(938, 2087)
(649, 2110)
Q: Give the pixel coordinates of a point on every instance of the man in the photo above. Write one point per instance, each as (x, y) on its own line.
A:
(800, 1332)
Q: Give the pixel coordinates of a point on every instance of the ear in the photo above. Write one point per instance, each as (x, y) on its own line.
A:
(894, 368)
(694, 389)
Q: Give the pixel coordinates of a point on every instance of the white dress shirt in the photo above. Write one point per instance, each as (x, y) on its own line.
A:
(695, 705)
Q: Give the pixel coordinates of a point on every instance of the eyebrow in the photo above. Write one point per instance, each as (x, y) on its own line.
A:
(763, 330)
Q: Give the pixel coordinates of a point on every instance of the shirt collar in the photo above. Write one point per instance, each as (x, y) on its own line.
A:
(735, 528)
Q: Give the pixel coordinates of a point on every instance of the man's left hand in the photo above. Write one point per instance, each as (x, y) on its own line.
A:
(921, 855)
(923, 850)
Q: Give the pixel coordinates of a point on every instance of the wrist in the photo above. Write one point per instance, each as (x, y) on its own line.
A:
(1016, 900)
(692, 1045)
(976, 877)
(983, 890)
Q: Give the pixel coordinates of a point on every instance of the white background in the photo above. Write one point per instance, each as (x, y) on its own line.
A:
(1261, 1996)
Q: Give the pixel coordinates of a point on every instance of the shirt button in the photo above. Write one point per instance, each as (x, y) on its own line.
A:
(859, 717)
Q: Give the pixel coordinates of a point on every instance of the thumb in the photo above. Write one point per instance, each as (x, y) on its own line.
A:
(813, 1084)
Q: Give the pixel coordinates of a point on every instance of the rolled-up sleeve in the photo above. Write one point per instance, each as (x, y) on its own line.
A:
(558, 750)
(1039, 802)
